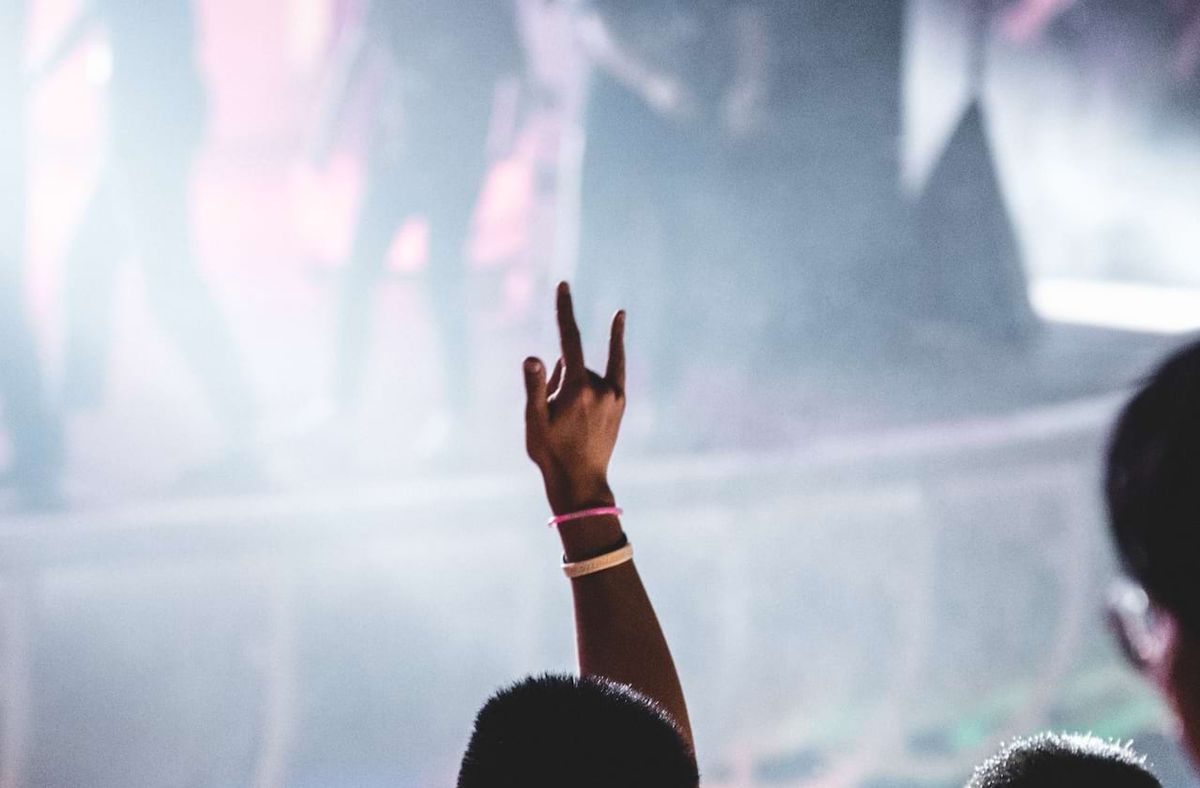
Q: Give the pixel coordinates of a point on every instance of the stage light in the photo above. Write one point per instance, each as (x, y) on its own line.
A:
(98, 65)
(1129, 306)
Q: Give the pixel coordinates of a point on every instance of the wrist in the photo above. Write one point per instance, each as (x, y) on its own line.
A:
(589, 536)
(568, 497)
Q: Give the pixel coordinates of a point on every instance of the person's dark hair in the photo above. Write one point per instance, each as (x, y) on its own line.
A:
(569, 732)
(1052, 760)
(1153, 486)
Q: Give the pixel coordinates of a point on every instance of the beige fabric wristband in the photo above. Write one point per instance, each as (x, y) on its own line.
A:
(591, 566)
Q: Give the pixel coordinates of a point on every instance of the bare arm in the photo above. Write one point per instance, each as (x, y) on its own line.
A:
(505, 116)
(664, 92)
(75, 34)
(744, 105)
(349, 59)
(571, 425)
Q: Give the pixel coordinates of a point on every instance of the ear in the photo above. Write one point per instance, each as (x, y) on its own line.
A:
(1174, 675)
(1160, 665)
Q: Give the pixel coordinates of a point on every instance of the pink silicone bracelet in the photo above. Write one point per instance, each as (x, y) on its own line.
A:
(615, 511)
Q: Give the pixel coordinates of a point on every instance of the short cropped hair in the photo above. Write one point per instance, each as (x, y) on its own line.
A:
(1153, 486)
(570, 732)
(1052, 760)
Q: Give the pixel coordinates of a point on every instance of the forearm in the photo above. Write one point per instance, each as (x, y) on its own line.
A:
(617, 636)
(753, 44)
(506, 111)
(348, 61)
(617, 633)
(608, 55)
(66, 44)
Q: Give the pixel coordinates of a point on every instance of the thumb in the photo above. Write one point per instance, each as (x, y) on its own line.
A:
(537, 412)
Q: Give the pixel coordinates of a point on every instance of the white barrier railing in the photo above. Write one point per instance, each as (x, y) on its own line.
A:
(893, 471)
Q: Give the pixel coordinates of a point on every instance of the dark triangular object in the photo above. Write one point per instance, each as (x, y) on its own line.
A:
(973, 274)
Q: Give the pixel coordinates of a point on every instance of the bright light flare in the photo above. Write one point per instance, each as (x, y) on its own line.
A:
(98, 64)
(1148, 308)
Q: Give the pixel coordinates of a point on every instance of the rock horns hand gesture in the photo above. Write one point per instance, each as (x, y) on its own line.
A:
(572, 421)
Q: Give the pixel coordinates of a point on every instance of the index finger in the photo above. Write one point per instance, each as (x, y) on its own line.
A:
(568, 332)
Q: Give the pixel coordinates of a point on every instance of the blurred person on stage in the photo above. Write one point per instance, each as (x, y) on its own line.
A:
(142, 204)
(675, 85)
(445, 85)
(742, 161)
(33, 431)
(821, 179)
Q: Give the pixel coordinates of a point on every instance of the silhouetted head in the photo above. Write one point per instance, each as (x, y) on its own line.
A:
(569, 732)
(1153, 492)
(1052, 760)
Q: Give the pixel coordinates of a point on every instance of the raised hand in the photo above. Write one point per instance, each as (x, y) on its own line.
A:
(571, 427)
(572, 420)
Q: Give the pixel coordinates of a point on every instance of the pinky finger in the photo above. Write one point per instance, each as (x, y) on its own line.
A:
(615, 372)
